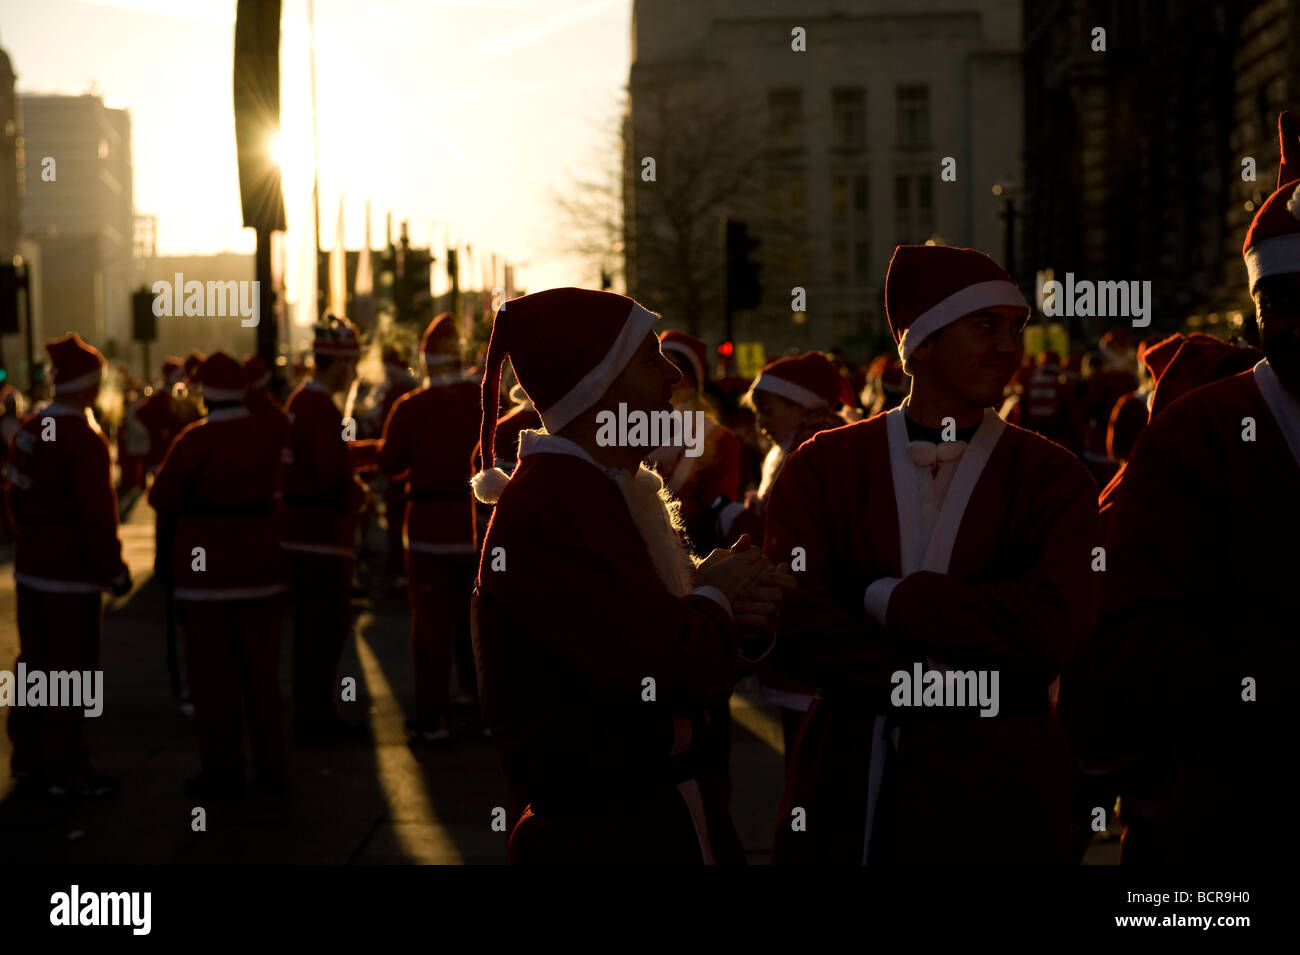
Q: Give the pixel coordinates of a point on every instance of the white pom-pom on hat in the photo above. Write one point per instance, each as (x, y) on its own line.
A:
(1293, 204)
(488, 484)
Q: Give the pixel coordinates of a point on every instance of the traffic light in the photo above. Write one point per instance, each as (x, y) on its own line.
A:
(144, 325)
(8, 300)
(743, 287)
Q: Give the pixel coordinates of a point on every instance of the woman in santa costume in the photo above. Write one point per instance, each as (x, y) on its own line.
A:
(322, 497)
(794, 399)
(427, 446)
(59, 493)
(600, 643)
(933, 537)
(1190, 674)
(218, 485)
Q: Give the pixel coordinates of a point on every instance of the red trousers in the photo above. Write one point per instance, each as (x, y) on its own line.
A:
(440, 589)
(233, 655)
(55, 632)
(394, 512)
(320, 589)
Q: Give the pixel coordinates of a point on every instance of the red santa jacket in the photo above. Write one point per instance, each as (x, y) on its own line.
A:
(162, 421)
(1197, 598)
(699, 481)
(1017, 596)
(1048, 407)
(218, 485)
(428, 442)
(572, 620)
(321, 493)
(59, 494)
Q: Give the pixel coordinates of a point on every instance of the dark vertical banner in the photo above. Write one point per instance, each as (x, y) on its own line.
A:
(257, 112)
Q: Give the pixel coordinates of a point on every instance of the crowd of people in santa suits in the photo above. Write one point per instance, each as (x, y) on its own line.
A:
(1113, 537)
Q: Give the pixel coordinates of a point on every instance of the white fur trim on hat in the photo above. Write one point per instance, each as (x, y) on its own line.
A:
(488, 484)
(597, 381)
(788, 389)
(1293, 204)
(1276, 256)
(958, 305)
(690, 356)
(80, 383)
(438, 358)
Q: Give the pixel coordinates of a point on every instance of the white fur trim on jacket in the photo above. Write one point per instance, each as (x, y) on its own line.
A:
(597, 381)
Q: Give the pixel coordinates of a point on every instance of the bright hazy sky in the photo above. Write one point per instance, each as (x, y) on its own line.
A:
(462, 116)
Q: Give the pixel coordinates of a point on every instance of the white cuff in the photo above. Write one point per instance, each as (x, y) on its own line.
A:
(727, 516)
(717, 596)
(876, 598)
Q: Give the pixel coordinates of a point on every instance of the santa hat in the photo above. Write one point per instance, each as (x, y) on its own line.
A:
(1157, 356)
(694, 351)
(1049, 359)
(1199, 360)
(256, 374)
(172, 369)
(929, 287)
(393, 358)
(337, 338)
(1117, 341)
(441, 341)
(222, 378)
(192, 362)
(809, 380)
(77, 366)
(567, 346)
(1273, 240)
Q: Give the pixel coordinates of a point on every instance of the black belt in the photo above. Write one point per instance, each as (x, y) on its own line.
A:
(463, 495)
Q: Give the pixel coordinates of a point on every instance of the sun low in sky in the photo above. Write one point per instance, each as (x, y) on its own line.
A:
(463, 116)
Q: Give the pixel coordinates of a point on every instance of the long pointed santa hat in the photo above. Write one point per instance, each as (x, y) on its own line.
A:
(567, 345)
(1273, 241)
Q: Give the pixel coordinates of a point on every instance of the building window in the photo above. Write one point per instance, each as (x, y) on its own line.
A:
(841, 326)
(861, 195)
(849, 118)
(913, 115)
(862, 262)
(913, 207)
(785, 119)
(839, 260)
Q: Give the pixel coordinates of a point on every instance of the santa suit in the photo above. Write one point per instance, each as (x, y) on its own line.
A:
(394, 388)
(1048, 407)
(992, 544)
(321, 501)
(1196, 599)
(218, 483)
(160, 417)
(427, 445)
(583, 596)
(59, 494)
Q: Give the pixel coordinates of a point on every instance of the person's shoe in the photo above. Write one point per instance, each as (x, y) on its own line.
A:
(217, 786)
(430, 731)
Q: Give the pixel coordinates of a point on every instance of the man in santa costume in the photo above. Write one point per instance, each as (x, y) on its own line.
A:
(218, 484)
(59, 494)
(697, 481)
(427, 445)
(322, 497)
(1189, 675)
(600, 643)
(935, 537)
(159, 413)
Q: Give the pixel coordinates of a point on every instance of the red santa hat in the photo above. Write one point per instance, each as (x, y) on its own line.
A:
(77, 366)
(567, 346)
(192, 362)
(441, 341)
(256, 374)
(1199, 360)
(1117, 341)
(809, 380)
(172, 369)
(690, 348)
(1049, 359)
(222, 378)
(929, 287)
(1157, 356)
(337, 338)
(1273, 240)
